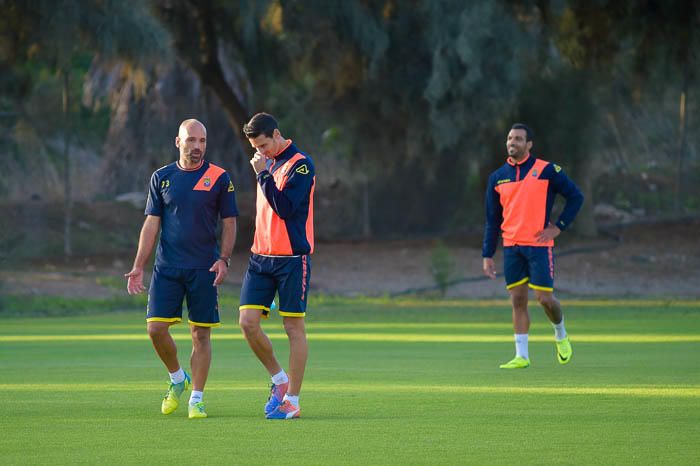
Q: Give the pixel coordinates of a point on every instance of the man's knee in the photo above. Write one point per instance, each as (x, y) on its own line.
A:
(157, 329)
(294, 326)
(201, 335)
(520, 303)
(546, 299)
(518, 298)
(249, 322)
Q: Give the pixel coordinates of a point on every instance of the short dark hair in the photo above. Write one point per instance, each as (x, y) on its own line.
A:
(261, 123)
(528, 131)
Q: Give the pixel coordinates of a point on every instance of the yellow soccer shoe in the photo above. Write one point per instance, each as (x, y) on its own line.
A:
(196, 411)
(172, 396)
(517, 362)
(564, 351)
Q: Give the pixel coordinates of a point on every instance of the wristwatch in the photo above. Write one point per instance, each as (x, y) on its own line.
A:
(227, 261)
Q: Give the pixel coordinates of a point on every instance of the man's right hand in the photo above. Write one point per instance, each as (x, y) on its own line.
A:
(134, 284)
(258, 162)
(489, 267)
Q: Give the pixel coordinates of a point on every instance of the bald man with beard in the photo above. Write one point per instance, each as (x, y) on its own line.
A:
(186, 199)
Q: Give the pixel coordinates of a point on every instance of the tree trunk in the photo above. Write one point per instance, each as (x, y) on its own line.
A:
(366, 205)
(67, 187)
(366, 213)
(682, 139)
(197, 43)
(585, 221)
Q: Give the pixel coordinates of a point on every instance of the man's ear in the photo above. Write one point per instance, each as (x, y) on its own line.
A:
(177, 141)
(529, 146)
(276, 133)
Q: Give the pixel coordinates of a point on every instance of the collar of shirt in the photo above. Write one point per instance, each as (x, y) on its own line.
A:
(181, 168)
(282, 151)
(286, 153)
(512, 162)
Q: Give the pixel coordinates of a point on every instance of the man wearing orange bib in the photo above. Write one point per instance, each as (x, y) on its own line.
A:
(519, 199)
(281, 258)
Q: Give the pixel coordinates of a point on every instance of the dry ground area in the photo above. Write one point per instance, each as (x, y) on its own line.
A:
(648, 261)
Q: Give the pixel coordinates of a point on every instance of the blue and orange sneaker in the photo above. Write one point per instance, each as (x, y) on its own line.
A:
(285, 411)
(277, 393)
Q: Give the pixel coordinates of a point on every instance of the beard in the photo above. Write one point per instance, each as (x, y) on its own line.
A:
(194, 156)
(516, 152)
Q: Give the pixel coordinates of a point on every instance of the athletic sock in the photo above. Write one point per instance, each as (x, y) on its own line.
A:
(521, 345)
(294, 400)
(280, 378)
(559, 330)
(178, 376)
(196, 397)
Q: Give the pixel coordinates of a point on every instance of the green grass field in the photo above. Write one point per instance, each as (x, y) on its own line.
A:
(388, 382)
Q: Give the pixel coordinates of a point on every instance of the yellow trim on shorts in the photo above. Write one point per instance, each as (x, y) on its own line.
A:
(292, 314)
(172, 320)
(265, 310)
(518, 283)
(200, 324)
(253, 306)
(541, 288)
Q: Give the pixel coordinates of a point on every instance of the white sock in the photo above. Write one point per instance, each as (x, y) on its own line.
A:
(178, 376)
(294, 400)
(559, 330)
(280, 378)
(521, 345)
(196, 397)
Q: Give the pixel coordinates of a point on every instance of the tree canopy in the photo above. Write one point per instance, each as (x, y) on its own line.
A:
(404, 103)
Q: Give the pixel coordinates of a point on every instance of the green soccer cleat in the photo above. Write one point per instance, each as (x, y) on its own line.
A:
(196, 411)
(564, 351)
(517, 362)
(172, 396)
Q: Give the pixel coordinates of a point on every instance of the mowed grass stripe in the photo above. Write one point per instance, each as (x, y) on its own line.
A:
(489, 303)
(645, 391)
(373, 337)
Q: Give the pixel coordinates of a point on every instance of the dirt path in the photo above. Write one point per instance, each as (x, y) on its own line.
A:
(663, 261)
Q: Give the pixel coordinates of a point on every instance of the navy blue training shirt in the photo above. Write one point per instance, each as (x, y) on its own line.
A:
(189, 203)
(516, 174)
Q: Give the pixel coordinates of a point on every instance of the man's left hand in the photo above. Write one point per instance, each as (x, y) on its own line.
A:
(221, 270)
(548, 234)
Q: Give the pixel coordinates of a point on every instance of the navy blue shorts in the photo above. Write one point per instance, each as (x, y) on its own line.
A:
(170, 285)
(533, 264)
(288, 276)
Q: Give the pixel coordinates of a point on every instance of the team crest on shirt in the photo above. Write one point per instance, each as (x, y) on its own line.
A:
(303, 170)
(230, 187)
(534, 173)
(557, 168)
(207, 181)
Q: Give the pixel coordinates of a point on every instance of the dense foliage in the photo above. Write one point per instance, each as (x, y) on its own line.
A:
(404, 103)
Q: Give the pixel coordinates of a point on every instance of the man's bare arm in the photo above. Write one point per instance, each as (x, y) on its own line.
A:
(147, 241)
(228, 239)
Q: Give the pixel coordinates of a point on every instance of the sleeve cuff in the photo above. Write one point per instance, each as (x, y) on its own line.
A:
(561, 225)
(263, 176)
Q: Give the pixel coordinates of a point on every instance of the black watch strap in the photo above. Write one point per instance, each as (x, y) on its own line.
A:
(227, 261)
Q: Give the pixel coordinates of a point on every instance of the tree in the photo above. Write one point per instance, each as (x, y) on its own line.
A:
(666, 34)
(195, 28)
(55, 33)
